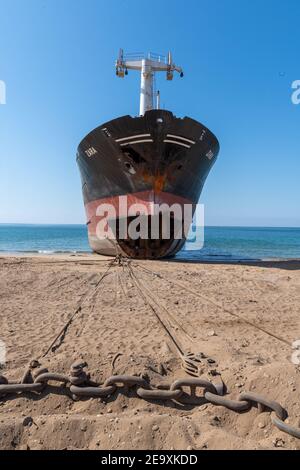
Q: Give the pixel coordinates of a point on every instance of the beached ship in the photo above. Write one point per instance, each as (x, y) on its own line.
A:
(153, 159)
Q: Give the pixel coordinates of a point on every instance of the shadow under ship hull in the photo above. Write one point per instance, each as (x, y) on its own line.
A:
(152, 159)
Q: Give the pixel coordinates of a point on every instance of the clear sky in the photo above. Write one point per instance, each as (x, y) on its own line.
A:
(240, 58)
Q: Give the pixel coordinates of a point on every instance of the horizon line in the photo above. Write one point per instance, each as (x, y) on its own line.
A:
(84, 225)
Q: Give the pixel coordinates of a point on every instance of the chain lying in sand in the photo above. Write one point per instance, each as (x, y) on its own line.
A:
(78, 385)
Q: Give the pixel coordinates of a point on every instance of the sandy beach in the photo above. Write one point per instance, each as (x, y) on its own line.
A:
(116, 332)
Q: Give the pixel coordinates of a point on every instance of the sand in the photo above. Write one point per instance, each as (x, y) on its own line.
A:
(201, 304)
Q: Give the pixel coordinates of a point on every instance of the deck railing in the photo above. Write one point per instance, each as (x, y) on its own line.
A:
(150, 56)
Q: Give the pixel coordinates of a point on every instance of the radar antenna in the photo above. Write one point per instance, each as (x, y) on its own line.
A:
(147, 65)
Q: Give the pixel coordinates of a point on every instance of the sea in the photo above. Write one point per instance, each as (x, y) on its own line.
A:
(220, 243)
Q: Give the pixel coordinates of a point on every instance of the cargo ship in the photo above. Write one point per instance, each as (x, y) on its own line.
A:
(152, 160)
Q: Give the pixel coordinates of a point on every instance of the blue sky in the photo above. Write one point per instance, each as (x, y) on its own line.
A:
(240, 58)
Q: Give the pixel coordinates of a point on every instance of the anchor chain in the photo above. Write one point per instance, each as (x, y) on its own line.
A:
(78, 384)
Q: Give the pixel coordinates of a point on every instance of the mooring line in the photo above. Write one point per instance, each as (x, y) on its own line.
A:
(63, 331)
(216, 304)
(146, 300)
(93, 299)
(171, 317)
(124, 290)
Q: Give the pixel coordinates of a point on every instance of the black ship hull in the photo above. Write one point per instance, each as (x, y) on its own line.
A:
(153, 159)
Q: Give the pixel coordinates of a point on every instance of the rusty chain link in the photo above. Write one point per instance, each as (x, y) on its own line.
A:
(78, 384)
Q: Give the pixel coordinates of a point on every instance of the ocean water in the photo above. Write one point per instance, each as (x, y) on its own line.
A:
(228, 243)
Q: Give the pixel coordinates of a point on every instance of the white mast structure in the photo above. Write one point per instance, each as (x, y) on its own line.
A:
(148, 66)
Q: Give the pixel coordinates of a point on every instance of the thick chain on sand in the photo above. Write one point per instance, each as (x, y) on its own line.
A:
(79, 385)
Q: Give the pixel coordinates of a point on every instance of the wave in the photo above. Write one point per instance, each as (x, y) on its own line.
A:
(45, 252)
(51, 252)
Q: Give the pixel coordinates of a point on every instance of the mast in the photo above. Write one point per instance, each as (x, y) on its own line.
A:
(147, 65)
